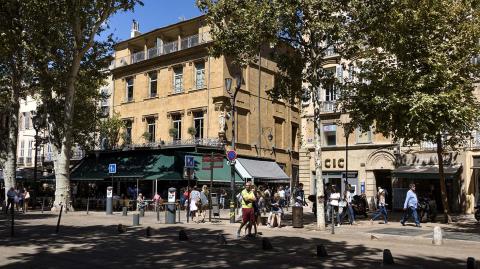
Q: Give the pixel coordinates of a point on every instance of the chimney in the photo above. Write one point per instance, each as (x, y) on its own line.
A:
(135, 29)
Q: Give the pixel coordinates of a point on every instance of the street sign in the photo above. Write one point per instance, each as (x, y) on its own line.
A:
(207, 162)
(112, 168)
(231, 155)
(189, 161)
(362, 187)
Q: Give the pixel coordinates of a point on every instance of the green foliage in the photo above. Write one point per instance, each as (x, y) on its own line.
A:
(415, 79)
(110, 129)
(192, 131)
(146, 136)
(295, 33)
(173, 132)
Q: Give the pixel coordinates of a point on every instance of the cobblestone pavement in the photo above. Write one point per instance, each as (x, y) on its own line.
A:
(93, 241)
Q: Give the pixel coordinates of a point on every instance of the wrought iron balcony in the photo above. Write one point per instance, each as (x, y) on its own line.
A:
(166, 48)
(328, 107)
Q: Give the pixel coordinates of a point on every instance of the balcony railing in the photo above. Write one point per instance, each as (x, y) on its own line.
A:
(330, 52)
(211, 142)
(166, 48)
(20, 161)
(328, 107)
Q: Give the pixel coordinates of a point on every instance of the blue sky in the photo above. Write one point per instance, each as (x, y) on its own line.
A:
(153, 14)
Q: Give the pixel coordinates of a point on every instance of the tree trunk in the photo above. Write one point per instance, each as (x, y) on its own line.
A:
(9, 171)
(318, 163)
(441, 173)
(62, 162)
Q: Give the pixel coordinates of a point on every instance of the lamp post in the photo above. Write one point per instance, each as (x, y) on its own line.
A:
(37, 124)
(233, 96)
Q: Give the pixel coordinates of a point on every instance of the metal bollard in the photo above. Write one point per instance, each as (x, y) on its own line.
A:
(125, 210)
(136, 219)
(471, 264)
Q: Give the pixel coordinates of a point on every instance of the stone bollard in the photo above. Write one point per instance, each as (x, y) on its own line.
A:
(471, 264)
(321, 251)
(125, 210)
(387, 257)
(121, 228)
(182, 235)
(221, 240)
(148, 232)
(266, 245)
(136, 219)
(437, 236)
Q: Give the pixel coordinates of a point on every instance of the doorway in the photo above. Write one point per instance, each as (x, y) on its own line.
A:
(383, 178)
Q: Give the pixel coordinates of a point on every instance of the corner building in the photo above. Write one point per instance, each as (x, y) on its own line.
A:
(171, 94)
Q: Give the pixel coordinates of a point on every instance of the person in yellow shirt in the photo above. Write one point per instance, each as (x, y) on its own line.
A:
(248, 213)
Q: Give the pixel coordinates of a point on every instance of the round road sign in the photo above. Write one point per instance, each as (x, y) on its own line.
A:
(231, 155)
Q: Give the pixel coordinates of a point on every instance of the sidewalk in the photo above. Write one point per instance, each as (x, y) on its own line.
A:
(93, 241)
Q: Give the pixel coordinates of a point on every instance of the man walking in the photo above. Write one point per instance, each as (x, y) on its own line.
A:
(381, 207)
(410, 207)
(248, 213)
(10, 199)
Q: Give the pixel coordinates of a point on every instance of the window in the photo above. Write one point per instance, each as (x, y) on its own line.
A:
(330, 134)
(363, 137)
(198, 124)
(151, 129)
(29, 152)
(153, 83)
(30, 148)
(278, 133)
(330, 90)
(27, 120)
(294, 137)
(129, 89)
(177, 124)
(178, 80)
(22, 148)
(128, 132)
(200, 75)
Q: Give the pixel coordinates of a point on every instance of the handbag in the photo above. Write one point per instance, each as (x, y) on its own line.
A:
(27, 195)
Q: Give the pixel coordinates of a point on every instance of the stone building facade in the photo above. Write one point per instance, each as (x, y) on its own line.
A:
(171, 93)
(376, 161)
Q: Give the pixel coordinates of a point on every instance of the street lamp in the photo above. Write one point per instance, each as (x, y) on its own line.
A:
(37, 124)
(233, 96)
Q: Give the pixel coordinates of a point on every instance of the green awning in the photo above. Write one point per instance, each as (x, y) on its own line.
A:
(130, 165)
(425, 172)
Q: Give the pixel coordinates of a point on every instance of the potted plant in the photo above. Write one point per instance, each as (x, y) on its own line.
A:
(192, 131)
(146, 136)
(173, 132)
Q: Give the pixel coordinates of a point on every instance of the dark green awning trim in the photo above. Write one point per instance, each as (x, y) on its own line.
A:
(425, 172)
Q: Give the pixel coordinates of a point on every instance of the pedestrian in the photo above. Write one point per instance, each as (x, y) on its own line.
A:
(204, 203)
(157, 200)
(327, 205)
(334, 203)
(275, 212)
(222, 198)
(248, 213)
(288, 194)
(11, 194)
(410, 207)
(26, 201)
(348, 196)
(281, 192)
(195, 203)
(140, 201)
(381, 207)
(301, 193)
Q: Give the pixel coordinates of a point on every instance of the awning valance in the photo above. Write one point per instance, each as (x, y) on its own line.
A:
(423, 172)
(259, 170)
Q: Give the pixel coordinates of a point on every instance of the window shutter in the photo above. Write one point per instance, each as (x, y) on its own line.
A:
(340, 73)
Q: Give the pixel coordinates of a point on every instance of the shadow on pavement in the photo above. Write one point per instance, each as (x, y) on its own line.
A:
(101, 246)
